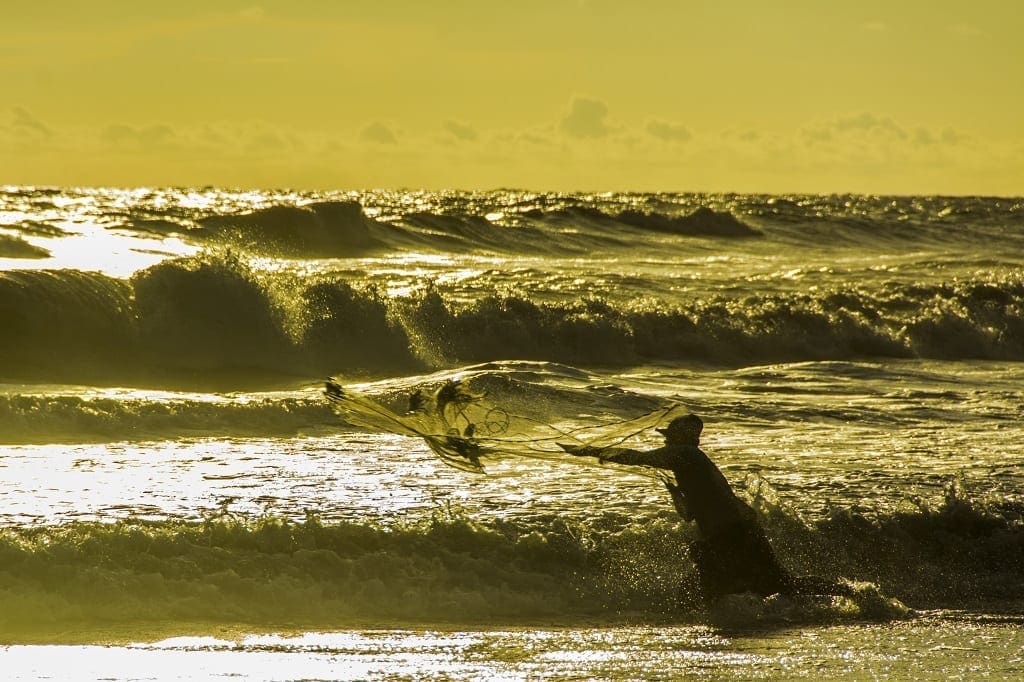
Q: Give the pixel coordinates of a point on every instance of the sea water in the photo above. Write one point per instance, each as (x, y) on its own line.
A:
(174, 483)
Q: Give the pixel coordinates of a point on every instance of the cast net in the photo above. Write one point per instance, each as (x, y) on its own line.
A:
(465, 429)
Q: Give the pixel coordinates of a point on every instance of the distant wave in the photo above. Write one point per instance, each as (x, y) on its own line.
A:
(54, 418)
(702, 222)
(16, 247)
(198, 320)
(329, 228)
(568, 224)
(446, 568)
(468, 232)
(330, 224)
(532, 390)
(37, 228)
(342, 229)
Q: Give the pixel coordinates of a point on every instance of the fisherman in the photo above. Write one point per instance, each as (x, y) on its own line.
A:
(732, 554)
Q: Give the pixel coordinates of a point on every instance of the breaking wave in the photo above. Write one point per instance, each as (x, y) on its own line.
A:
(56, 319)
(703, 222)
(204, 319)
(449, 569)
(342, 229)
(328, 228)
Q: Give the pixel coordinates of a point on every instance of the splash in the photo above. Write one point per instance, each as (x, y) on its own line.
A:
(447, 568)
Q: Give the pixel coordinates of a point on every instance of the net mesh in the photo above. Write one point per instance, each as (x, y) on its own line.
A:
(464, 429)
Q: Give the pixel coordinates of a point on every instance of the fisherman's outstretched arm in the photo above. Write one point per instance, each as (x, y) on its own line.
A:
(659, 459)
(654, 458)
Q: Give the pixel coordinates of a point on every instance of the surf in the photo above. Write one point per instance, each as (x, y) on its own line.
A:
(213, 318)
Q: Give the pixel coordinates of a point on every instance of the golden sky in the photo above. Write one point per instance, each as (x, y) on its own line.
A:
(744, 95)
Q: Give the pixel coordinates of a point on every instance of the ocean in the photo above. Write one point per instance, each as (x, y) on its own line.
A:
(179, 501)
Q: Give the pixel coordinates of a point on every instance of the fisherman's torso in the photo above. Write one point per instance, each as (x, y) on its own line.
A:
(709, 497)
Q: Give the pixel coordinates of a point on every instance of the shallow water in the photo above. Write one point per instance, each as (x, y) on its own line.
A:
(950, 647)
(822, 435)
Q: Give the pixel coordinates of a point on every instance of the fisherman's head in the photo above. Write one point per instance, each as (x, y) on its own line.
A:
(683, 430)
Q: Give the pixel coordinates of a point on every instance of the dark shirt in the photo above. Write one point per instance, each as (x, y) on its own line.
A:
(709, 498)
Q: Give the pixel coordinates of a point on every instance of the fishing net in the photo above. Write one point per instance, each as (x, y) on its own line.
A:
(464, 429)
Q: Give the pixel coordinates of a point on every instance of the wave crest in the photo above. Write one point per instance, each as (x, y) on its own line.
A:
(199, 318)
(321, 229)
(447, 568)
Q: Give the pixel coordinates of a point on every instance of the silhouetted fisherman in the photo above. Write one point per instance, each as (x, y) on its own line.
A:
(732, 554)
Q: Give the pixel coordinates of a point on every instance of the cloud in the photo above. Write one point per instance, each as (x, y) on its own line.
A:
(379, 133)
(24, 121)
(460, 131)
(669, 132)
(868, 151)
(512, 139)
(269, 141)
(868, 122)
(745, 136)
(212, 136)
(816, 134)
(146, 136)
(586, 118)
(863, 127)
(924, 137)
(950, 136)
